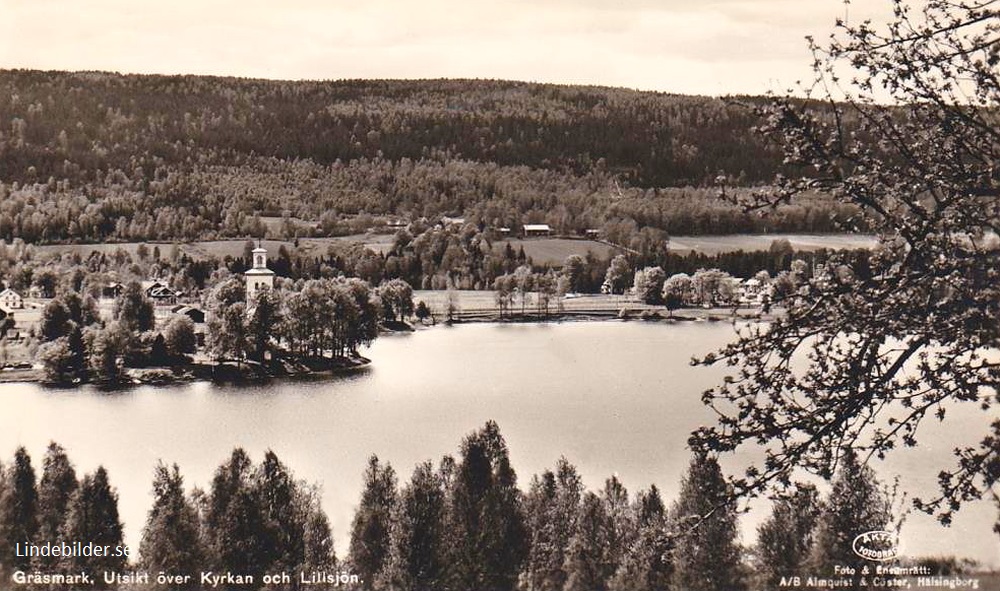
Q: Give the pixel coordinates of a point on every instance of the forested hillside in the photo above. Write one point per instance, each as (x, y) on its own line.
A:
(98, 156)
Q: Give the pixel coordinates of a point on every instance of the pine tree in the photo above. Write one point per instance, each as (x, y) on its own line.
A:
(171, 541)
(416, 561)
(708, 555)
(93, 516)
(18, 511)
(370, 530)
(55, 492)
(785, 539)
(489, 541)
(857, 504)
(587, 563)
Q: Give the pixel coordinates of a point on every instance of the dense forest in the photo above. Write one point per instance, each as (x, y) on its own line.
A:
(88, 157)
(462, 524)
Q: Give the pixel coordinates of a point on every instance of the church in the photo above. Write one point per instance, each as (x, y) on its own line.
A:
(258, 277)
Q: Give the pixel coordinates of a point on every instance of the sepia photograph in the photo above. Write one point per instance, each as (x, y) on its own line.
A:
(560, 295)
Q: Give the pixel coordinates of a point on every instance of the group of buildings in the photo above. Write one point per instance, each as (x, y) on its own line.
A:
(168, 301)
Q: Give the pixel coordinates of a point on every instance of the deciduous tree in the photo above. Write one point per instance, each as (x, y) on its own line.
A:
(785, 539)
(134, 309)
(859, 360)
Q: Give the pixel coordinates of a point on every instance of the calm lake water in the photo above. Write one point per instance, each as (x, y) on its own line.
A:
(611, 397)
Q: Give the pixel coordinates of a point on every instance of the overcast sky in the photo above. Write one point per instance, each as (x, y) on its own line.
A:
(687, 46)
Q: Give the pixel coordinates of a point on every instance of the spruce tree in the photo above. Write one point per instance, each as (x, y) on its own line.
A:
(785, 539)
(648, 565)
(93, 517)
(857, 504)
(489, 542)
(171, 541)
(55, 492)
(318, 541)
(621, 521)
(542, 549)
(552, 508)
(283, 513)
(416, 561)
(708, 555)
(649, 507)
(235, 525)
(370, 530)
(18, 511)
(587, 564)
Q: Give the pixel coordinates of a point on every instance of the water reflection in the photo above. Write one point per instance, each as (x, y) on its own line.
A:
(613, 397)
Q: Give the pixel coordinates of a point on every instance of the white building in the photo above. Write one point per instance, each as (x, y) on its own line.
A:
(537, 230)
(258, 277)
(10, 300)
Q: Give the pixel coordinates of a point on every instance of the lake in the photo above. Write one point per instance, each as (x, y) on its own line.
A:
(612, 397)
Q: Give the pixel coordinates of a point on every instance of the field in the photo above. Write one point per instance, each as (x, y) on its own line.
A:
(554, 251)
(749, 242)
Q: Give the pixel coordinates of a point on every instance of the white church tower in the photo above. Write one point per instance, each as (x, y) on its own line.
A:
(258, 277)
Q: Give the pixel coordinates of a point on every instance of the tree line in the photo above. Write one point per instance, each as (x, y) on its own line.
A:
(293, 321)
(464, 524)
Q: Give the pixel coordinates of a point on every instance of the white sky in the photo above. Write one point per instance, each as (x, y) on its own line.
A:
(686, 46)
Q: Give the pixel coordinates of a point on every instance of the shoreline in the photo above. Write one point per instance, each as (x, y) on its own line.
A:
(227, 372)
(644, 314)
(251, 372)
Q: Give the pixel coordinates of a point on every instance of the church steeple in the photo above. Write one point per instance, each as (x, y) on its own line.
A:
(259, 257)
(258, 277)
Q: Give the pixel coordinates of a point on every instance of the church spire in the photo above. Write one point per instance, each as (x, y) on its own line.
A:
(258, 277)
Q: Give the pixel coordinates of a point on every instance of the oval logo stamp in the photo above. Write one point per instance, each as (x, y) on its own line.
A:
(877, 545)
